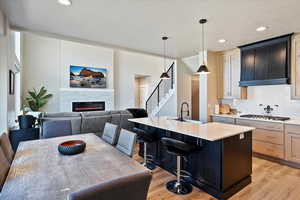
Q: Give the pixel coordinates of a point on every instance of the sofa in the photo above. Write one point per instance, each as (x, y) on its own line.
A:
(90, 122)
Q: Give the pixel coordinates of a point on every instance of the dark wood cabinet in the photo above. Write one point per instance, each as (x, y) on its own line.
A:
(266, 62)
(261, 61)
(278, 61)
(247, 70)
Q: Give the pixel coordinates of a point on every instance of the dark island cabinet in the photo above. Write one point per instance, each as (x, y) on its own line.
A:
(221, 168)
(267, 62)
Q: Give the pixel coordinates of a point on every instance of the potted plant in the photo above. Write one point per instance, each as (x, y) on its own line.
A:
(26, 121)
(37, 100)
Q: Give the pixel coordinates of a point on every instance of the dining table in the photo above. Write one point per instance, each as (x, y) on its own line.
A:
(40, 172)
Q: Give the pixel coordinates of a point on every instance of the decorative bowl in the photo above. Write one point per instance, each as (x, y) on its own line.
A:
(71, 147)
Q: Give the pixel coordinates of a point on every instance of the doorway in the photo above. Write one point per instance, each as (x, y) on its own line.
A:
(141, 85)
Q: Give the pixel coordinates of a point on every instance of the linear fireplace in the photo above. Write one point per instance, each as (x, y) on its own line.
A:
(88, 106)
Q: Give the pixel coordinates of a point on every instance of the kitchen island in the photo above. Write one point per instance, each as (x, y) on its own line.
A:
(221, 164)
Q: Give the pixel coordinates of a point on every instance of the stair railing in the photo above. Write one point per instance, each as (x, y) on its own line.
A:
(160, 91)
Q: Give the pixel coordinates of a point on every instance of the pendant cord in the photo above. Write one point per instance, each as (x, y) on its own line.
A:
(164, 55)
(203, 44)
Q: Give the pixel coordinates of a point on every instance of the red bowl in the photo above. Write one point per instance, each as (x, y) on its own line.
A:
(72, 147)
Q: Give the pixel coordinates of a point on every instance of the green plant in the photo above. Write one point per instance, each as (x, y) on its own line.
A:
(25, 109)
(38, 99)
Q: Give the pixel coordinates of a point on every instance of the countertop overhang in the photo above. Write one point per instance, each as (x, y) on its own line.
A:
(210, 131)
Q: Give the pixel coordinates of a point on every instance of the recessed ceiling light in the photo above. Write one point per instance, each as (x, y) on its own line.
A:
(261, 28)
(65, 2)
(222, 40)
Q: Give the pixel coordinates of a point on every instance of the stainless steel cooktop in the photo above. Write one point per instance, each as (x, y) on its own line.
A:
(266, 117)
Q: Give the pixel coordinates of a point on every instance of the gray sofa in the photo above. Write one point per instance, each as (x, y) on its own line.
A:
(91, 122)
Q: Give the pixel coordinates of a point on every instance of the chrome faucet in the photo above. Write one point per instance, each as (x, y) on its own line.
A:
(181, 111)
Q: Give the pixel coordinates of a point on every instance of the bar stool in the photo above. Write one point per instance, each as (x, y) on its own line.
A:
(179, 149)
(145, 138)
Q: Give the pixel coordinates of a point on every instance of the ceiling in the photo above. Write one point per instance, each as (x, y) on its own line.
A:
(138, 24)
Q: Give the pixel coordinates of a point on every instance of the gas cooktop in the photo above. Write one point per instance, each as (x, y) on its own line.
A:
(266, 117)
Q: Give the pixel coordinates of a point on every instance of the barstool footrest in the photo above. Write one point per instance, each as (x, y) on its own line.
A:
(179, 188)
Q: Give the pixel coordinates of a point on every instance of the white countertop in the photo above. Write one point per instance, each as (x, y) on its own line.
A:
(291, 121)
(211, 131)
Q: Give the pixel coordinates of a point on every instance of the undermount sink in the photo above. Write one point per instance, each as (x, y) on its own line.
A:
(188, 120)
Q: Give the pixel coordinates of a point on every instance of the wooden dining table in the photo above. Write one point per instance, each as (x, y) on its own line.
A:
(40, 172)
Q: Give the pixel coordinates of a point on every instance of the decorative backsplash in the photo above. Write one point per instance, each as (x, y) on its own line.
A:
(268, 95)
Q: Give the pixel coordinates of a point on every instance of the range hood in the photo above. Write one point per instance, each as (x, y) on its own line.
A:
(266, 62)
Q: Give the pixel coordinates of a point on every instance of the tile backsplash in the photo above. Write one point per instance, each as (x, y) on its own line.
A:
(268, 95)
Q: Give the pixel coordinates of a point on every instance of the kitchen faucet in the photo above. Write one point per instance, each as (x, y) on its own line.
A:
(181, 110)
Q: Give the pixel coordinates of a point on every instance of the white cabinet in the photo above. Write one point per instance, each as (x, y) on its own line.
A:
(231, 64)
(295, 75)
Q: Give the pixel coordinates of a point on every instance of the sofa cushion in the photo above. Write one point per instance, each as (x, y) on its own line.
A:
(94, 123)
(115, 117)
(6, 147)
(61, 115)
(95, 113)
(124, 123)
(75, 122)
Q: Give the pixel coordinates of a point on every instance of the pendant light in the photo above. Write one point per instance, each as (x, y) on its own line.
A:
(165, 74)
(203, 68)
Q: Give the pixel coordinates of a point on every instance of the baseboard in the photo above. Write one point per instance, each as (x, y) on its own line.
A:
(277, 160)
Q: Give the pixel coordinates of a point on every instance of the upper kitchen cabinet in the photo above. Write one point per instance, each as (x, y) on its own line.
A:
(230, 64)
(267, 62)
(295, 75)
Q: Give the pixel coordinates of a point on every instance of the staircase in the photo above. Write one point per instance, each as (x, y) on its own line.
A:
(161, 94)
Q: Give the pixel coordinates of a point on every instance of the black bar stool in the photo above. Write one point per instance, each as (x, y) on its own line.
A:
(146, 138)
(179, 149)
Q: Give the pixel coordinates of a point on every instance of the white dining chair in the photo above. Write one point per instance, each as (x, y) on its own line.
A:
(110, 133)
(126, 142)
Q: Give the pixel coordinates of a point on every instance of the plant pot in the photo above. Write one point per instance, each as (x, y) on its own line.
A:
(36, 114)
(26, 121)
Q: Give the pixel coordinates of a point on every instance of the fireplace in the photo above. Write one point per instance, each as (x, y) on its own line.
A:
(88, 106)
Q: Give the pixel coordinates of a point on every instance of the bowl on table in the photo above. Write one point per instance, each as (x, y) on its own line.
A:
(71, 147)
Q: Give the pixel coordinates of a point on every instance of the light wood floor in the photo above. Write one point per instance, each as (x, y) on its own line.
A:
(270, 181)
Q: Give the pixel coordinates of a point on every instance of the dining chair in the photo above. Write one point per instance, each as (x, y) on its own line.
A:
(56, 128)
(110, 133)
(4, 167)
(126, 142)
(6, 147)
(133, 187)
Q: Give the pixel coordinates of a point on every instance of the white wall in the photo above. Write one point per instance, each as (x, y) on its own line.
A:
(47, 60)
(268, 95)
(47, 63)
(127, 66)
(41, 66)
(7, 62)
(185, 70)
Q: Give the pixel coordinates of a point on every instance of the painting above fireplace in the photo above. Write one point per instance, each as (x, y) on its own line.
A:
(87, 77)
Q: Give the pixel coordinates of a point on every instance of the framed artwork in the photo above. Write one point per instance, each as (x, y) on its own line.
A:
(87, 77)
(11, 82)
